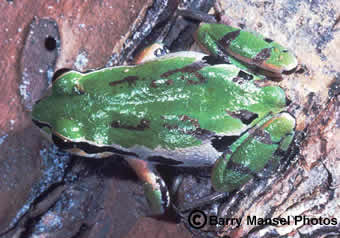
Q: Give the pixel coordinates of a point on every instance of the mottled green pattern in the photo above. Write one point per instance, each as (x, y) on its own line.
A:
(154, 104)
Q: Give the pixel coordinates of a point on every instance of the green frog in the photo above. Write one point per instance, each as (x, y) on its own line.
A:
(185, 109)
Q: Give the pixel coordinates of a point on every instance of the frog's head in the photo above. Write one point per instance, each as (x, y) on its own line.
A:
(48, 112)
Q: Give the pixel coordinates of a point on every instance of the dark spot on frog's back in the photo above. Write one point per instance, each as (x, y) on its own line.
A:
(262, 56)
(191, 68)
(131, 80)
(228, 38)
(143, 125)
(242, 77)
(244, 115)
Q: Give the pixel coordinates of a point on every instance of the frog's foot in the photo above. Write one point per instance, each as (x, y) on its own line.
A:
(261, 145)
(155, 189)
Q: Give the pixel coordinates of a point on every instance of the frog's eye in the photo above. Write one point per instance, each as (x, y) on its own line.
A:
(59, 73)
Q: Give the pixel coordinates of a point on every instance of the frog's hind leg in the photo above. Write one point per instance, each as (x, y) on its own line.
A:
(265, 143)
(155, 189)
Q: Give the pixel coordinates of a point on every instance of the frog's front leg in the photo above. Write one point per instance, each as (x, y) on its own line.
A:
(155, 189)
(253, 151)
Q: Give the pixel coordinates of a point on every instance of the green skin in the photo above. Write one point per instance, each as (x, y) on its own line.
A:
(175, 103)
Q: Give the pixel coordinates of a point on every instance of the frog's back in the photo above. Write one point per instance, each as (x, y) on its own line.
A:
(167, 105)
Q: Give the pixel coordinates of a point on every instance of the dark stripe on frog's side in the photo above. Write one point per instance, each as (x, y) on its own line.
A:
(262, 56)
(192, 68)
(245, 116)
(225, 41)
(131, 80)
(88, 148)
(143, 124)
